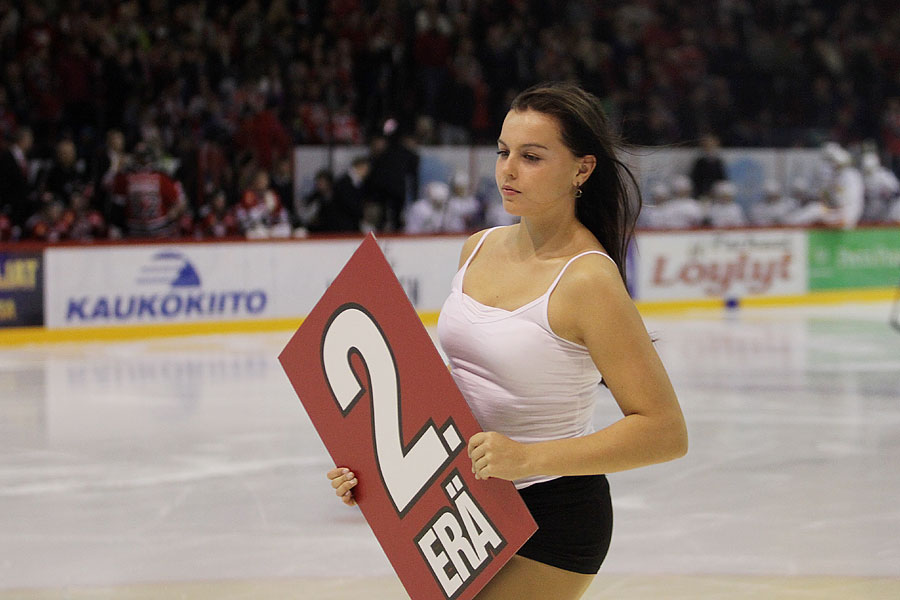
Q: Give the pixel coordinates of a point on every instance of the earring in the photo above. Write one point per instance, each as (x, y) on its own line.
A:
(578, 192)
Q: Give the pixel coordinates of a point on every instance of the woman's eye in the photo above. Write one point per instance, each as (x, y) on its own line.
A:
(532, 157)
(503, 153)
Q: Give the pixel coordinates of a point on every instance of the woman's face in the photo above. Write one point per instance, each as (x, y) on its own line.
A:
(535, 171)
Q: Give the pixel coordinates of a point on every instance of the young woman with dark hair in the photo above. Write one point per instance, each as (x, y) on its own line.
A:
(537, 317)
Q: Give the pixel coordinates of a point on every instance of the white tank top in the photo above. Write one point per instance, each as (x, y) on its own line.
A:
(518, 377)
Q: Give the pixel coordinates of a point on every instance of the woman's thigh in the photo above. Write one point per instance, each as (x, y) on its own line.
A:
(525, 579)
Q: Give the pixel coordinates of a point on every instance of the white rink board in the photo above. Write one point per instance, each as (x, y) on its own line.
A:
(184, 283)
(721, 264)
(149, 284)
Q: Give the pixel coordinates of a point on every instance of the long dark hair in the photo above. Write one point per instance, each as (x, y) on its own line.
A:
(610, 200)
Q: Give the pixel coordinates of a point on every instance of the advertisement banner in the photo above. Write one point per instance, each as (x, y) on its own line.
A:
(722, 264)
(385, 405)
(140, 285)
(854, 259)
(21, 289)
(154, 284)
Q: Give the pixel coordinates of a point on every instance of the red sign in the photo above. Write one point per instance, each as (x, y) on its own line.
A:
(385, 405)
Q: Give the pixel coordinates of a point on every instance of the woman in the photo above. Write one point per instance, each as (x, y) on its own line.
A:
(537, 312)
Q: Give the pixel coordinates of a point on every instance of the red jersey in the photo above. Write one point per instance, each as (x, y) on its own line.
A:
(151, 200)
(261, 211)
(88, 225)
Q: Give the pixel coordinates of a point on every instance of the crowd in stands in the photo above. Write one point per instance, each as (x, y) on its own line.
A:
(160, 118)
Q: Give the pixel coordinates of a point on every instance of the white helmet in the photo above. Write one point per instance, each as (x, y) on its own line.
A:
(799, 185)
(437, 191)
(724, 189)
(842, 158)
(870, 161)
(659, 192)
(682, 185)
(460, 179)
(830, 151)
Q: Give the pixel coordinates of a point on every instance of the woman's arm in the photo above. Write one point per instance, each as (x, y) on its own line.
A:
(591, 306)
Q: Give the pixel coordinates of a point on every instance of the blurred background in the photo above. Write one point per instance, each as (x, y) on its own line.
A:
(251, 114)
(181, 181)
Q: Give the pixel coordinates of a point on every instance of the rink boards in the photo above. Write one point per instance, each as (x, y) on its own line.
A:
(197, 286)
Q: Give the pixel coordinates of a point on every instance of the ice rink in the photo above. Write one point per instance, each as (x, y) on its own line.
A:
(186, 468)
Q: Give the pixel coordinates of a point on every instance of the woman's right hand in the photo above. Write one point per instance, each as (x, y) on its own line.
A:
(343, 481)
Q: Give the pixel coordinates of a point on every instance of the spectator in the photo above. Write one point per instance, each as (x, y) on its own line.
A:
(49, 224)
(338, 70)
(372, 218)
(282, 182)
(15, 173)
(455, 111)
(708, 168)
(153, 203)
(65, 175)
(109, 161)
(262, 135)
(345, 211)
(723, 210)
(311, 212)
(260, 213)
(6, 228)
(85, 223)
(216, 219)
(395, 172)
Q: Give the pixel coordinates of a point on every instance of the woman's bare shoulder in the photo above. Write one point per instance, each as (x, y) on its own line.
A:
(470, 244)
(590, 276)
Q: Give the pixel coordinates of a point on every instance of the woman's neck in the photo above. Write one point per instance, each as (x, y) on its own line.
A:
(547, 238)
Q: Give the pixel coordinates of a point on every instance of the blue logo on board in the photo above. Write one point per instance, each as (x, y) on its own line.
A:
(169, 268)
(179, 296)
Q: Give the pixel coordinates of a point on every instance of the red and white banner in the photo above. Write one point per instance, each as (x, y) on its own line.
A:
(385, 405)
(724, 264)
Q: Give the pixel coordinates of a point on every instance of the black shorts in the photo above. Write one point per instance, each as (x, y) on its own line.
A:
(574, 518)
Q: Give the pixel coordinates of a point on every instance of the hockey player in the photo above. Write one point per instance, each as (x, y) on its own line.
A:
(438, 212)
(893, 212)
(723, 211)
(774, 207)
(845, 195)
(811, 209)
(651, 212)
(675, 209)
(881, 188)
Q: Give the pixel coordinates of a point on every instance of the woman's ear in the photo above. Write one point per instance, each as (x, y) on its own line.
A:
(586, 166)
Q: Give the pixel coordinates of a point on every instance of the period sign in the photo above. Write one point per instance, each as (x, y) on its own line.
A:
(385, 405)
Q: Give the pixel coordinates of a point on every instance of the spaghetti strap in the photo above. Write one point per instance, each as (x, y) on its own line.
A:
(571, 260)
(478, 247)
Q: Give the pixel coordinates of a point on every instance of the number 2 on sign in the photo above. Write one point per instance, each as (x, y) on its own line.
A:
(406, 470)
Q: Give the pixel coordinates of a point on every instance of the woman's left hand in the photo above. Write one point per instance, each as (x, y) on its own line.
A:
(495, 455)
